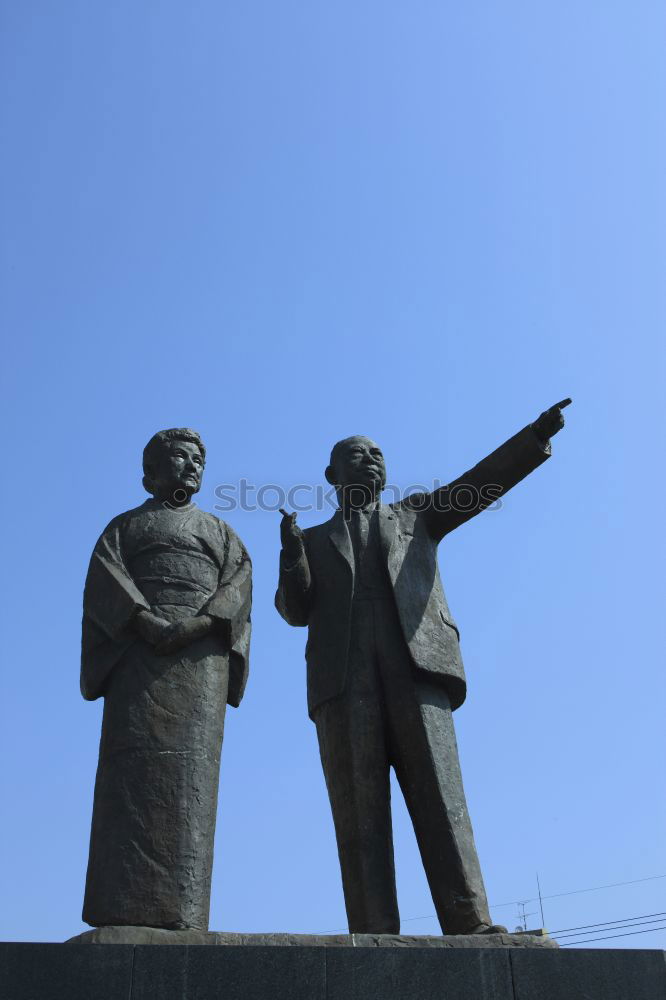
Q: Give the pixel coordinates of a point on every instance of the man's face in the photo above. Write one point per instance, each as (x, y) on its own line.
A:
(359, 462)
(179, 471)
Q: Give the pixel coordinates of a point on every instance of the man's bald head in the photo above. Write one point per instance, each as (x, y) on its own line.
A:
(357, 461)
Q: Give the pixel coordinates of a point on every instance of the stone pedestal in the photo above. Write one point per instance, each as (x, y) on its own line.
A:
(155, 935)
(383, 969)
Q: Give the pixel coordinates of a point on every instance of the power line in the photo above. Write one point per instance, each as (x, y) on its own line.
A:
(573, 892)
(556, 895)
(623, 920)
(609, 937)
(611, 885)
(620, 927)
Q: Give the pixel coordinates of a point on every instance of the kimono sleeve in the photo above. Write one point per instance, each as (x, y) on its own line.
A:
(110, 600)
(231, 602)
(230, 605)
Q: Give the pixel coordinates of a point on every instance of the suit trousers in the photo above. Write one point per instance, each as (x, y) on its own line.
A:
(390, 716)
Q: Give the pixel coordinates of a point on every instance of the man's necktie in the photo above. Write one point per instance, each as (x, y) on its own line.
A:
(360, 532)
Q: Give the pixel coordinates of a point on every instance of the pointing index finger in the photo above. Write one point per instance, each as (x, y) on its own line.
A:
(562, 404)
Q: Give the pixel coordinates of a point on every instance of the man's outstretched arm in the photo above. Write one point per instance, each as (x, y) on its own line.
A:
(449, 507)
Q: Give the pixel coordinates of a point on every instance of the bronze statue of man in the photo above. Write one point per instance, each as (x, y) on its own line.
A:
(166, 634)
(385, 671)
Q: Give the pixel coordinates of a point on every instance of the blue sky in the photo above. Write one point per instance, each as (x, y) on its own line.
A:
(285, 223)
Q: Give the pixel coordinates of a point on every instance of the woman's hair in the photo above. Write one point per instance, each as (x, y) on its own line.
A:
(157, 444)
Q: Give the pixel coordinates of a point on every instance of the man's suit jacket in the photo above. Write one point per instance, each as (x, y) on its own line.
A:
(318, 590)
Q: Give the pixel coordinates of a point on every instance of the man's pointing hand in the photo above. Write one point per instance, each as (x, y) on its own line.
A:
(550, 422)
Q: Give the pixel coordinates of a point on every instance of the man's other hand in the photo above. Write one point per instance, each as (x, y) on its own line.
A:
(291, 537)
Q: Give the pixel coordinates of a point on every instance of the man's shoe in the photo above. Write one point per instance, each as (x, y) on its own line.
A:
(488, 929)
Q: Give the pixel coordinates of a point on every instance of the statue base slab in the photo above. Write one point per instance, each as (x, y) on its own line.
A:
(379, 971)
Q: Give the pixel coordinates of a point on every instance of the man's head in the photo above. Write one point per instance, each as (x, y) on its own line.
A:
(173, 464)
(357, 468)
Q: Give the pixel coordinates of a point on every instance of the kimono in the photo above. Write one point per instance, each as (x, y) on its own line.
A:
(153, 825)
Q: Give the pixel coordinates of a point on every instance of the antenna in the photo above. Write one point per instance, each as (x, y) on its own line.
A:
(543, 919)
(522, 916)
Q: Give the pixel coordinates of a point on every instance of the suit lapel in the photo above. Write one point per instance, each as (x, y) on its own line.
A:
(339, 535)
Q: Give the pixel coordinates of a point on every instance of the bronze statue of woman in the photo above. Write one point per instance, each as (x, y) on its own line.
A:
(166, 635)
